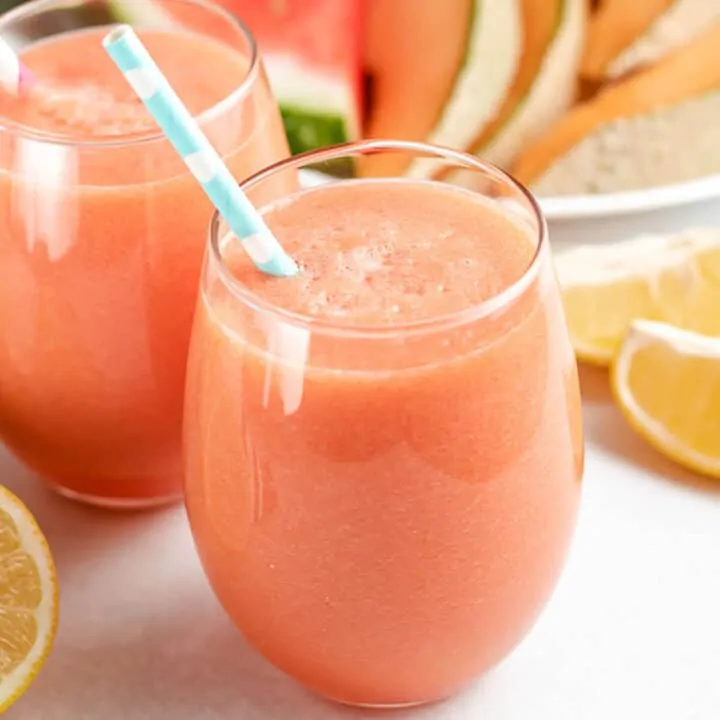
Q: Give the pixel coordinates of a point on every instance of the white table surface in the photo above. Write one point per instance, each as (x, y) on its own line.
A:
(633, 631)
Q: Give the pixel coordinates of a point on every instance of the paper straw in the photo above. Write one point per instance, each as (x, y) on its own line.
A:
(132, 58)
(14, 76)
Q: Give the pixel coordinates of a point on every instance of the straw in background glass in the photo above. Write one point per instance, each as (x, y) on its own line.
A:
(15, 78)
(132, 58)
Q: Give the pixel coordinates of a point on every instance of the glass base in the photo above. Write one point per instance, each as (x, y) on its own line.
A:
(387, 706)
(117, 503)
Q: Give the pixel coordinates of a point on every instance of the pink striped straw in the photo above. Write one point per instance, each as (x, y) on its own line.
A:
(14, 76)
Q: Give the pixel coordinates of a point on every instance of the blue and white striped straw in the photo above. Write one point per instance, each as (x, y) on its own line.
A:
(134, 61)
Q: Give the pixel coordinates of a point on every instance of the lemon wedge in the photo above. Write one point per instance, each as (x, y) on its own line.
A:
(673, 279)
(28, 599)
(667, 383)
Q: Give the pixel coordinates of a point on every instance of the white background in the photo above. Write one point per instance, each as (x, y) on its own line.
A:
(633, 630)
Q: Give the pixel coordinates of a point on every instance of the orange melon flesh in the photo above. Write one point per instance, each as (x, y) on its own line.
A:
(689, 72)
(613, 27)
(414, 51)
(541, 18)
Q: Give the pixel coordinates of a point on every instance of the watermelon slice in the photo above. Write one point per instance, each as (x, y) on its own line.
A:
(311, 50)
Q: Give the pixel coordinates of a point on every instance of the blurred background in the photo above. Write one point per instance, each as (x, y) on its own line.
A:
(573, 97)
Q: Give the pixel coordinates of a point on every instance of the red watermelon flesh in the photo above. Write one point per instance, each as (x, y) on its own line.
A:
(312, 52)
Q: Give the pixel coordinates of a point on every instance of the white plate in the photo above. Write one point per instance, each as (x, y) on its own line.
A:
(625, 203)
(670, 209)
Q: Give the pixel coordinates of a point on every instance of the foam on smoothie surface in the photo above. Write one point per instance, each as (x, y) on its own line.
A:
(381, 252)
(80, 93)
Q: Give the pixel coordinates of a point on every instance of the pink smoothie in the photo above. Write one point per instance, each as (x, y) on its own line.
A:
(103, 230)
(383, 453)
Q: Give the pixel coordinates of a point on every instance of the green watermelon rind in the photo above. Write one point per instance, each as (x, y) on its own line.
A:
(308, 129)
(148, 14)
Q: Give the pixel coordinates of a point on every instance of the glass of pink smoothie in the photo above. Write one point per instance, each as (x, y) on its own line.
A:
(102, 233)
(384, 453)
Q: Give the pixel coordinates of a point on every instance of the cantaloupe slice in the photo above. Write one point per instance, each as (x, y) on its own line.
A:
(614, 26)
(545, 84)
(624, 36)
(681, 23)
(669, 146)
(440, 70)
(688, 78)
(412, 52)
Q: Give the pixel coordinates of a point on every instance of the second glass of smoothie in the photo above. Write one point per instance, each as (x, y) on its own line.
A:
(102, 231)
(384, 453)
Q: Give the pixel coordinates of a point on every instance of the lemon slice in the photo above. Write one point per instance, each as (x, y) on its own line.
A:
(28, 599)
(667, 383)
(674, 279)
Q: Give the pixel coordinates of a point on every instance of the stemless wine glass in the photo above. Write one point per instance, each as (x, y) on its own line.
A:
(383, 508)
(102, 230)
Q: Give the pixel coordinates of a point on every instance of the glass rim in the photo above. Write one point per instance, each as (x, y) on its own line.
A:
(489, 306)
(154, 135)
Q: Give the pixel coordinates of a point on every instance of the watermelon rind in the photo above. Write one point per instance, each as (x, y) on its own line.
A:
(308, 129)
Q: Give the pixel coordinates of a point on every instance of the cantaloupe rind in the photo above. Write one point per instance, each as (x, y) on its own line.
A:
(545, 85)
(494, 48)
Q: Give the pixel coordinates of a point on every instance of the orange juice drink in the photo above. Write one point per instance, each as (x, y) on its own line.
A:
(102, 229)
(384, 453)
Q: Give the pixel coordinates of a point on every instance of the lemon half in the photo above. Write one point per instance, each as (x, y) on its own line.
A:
(28, 599)
(667, 383)
(673, 279)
